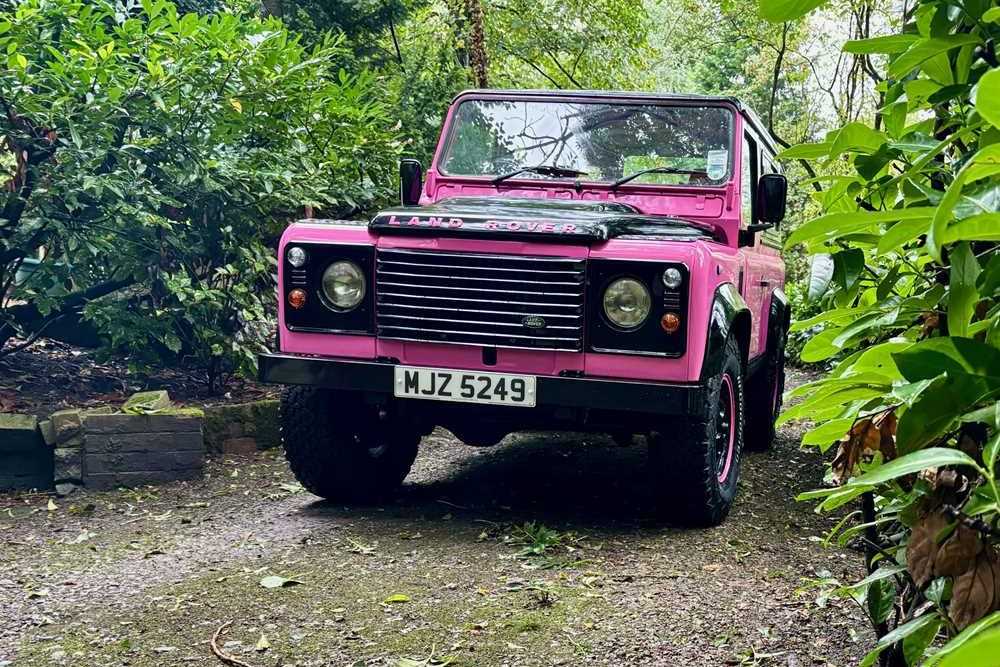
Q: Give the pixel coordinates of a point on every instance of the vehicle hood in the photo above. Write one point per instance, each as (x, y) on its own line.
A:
(522, 218)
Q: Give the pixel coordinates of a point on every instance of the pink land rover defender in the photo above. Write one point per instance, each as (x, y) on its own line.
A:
(580, 261)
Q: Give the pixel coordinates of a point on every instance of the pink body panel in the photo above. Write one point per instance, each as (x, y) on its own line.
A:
(710, 263)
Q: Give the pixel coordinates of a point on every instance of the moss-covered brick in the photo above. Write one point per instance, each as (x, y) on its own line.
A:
(65, 424)
(147, 401)
(25, 459)
(18, 433)
(258, 420)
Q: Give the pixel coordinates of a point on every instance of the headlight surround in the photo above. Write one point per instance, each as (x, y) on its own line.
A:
(343, 286)
(627, 303)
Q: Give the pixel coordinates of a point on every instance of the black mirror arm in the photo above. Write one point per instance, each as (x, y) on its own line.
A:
(758, 227)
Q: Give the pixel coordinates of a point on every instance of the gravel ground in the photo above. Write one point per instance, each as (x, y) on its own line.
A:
(444, 575)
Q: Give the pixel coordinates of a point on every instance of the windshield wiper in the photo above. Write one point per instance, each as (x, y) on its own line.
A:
(551, 170)
(653, 170)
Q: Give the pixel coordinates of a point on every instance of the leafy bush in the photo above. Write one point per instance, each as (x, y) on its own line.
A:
(153, 159)
(913, 280)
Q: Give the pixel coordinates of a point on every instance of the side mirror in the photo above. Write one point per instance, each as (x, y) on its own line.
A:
(772, 197)
(411, 181)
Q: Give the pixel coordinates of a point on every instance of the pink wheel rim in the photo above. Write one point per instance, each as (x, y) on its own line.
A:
(726, 425)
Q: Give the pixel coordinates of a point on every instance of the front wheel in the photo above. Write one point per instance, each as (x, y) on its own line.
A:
(339, 448)
(695, 464)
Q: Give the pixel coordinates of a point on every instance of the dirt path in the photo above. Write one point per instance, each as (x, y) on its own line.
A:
(450, 570)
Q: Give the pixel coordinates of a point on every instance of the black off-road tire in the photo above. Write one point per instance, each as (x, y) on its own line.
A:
(339, 449)
(694, 466)
(765, 399)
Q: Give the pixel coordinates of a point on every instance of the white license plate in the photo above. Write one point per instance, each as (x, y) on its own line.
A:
(465, 387)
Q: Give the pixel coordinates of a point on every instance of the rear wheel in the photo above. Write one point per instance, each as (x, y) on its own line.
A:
(695, 464)
(339, 448)
(764, 402)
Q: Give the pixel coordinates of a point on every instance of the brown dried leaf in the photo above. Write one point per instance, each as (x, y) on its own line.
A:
(974, 592)
(886, 423)
(958, 553)
(931, 322)
(922, 549)
(866, 437)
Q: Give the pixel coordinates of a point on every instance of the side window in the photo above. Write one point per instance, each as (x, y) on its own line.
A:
(749, 170)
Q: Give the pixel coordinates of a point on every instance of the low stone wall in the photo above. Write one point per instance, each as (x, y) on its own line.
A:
(25, 460)
(242, 429)
(149, 442)
(132, 450)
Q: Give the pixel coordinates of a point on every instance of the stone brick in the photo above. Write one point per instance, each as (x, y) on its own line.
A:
(104, 481)
(111, 443)
(239, 446)
(48, 432)
(66, 423)
(125, 462)
(68, 464)
(19, 433)
(27, 468)
(258, 420)
(174, 422)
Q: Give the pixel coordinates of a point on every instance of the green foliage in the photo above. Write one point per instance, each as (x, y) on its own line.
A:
(157, 157)
(908, 270)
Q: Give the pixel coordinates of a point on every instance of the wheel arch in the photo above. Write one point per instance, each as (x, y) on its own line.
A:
(730, 316)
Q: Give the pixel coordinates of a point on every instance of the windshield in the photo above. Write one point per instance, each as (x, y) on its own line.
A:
(606, 141)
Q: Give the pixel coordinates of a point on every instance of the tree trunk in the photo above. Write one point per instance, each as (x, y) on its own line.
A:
(477, 43)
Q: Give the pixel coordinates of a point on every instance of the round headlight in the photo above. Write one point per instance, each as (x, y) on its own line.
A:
(627, 303)
(672, 278)
(343, 285)
(297, 257)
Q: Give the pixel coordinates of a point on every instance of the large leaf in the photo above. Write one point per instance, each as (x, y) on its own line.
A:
(926, 49)
(929, 358)
(820, 274)
(976, 646)
(885, 44)
(835, 225)
(988, 97)
(933, 457)
(982, 227)
(962, 294)
(806, 151)
(857, 137)
(778, 11)
(848, 265)
(899, 633)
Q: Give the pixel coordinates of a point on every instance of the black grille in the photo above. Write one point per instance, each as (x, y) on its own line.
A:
(473, 299)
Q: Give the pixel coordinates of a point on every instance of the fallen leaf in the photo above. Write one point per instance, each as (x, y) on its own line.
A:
(52, 507)
(974, 591)
(274, 581)
(397, 598)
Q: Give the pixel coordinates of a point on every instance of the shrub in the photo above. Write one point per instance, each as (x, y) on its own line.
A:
(912, 282)
(154, 158)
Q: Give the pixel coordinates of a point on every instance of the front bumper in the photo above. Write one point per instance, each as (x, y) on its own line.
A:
(651, 398)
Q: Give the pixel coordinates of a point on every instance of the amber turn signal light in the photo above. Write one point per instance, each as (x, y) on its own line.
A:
(670, 322)
(297, 298)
